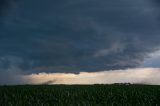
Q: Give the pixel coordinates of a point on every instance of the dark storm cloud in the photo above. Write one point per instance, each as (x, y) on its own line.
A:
(5, 5)
(79, 35)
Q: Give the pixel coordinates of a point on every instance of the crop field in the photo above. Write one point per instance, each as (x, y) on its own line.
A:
(80, 95)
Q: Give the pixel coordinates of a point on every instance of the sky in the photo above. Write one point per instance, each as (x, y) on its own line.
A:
(79, 41)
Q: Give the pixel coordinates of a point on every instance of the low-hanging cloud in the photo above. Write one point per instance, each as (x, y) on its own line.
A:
(10, 73)
(11, 76)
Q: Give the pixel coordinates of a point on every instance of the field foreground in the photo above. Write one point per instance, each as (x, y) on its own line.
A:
(80, 95)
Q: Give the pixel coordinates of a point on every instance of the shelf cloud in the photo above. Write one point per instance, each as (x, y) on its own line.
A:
(46, 36)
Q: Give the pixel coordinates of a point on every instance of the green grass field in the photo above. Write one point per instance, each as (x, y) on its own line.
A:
(80, 95)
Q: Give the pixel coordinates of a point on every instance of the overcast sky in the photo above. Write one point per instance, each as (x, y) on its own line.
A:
(75, 36)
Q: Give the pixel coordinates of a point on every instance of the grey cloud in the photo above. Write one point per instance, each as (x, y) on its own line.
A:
(79, 35)
(10, 76)
(10, 73)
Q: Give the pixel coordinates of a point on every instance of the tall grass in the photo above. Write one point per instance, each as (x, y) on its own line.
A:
(80, 95)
